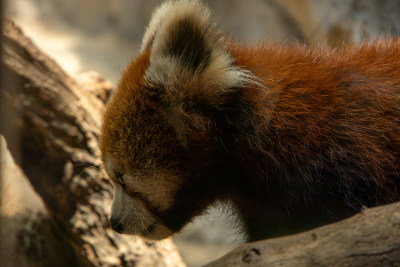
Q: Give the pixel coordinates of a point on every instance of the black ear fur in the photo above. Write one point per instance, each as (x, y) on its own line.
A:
(192, 66)
(186, 45)
(187, 42)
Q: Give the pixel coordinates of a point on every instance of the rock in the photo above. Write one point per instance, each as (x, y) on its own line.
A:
(54, 135)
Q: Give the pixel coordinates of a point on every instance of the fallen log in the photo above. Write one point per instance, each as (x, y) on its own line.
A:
(370, 238)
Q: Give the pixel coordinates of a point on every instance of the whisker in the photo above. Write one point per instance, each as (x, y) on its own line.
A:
(126, 213)
(158, 219)
(88, 166)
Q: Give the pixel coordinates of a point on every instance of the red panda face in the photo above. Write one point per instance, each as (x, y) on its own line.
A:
(139, 151)
(158, 143)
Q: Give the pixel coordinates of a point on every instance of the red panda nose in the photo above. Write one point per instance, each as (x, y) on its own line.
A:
(116, 225)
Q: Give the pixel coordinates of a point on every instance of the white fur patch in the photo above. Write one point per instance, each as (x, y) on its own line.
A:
(134, 218)
(158, 186)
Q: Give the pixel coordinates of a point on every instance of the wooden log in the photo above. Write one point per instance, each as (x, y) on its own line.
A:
(370, 238)
(51, 125)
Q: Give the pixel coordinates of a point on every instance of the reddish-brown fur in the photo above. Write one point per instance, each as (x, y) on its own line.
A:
(341, 105)
(314, 139)
(325, 119)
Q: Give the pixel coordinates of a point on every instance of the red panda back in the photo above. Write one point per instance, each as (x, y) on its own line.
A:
(326, 117)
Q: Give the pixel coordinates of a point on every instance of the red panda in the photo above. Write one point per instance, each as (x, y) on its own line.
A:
(291, 137)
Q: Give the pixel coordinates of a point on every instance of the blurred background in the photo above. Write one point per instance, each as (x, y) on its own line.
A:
(104, 35)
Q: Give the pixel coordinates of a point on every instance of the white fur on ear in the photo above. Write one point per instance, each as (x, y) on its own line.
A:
(173, 11)
(182, 39)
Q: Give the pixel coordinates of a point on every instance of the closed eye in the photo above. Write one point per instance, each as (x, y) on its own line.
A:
(120, 179)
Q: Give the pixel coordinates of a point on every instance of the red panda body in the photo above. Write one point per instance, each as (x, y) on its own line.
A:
(292, 137)
(323, 125)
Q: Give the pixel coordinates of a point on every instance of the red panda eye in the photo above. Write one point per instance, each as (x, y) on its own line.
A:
(120, 178)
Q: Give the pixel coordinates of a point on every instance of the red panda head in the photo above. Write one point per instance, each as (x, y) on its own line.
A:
(159, 142)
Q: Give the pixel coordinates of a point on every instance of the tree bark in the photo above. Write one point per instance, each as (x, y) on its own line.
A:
(51, 124)
(370, 238)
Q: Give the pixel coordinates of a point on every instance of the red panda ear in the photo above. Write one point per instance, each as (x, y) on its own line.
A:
(187, 53)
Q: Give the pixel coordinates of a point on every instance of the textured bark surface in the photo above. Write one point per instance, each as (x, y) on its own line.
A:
(51, 126)
(371, 238)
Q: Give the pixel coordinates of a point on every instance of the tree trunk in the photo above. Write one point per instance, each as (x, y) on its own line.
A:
(51, 123)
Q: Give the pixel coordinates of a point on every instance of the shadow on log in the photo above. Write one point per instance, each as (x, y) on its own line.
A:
(56, 207)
